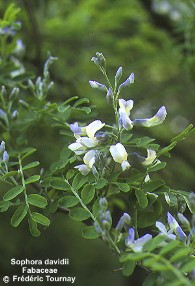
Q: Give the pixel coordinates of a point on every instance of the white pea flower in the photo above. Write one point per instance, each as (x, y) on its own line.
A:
(124, 112)
(93, 127)
(157, 119)
(89, 160)
(85, 142)
(151, 156)
(119, 155)
(136, 245)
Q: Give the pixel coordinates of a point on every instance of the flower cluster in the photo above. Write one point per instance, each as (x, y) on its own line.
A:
(89, 138)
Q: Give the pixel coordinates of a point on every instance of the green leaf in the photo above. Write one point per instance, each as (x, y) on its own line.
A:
(100, 183)
(68, 201)
(28, 152)
(152, 185)
(153, 243)
(37, 200)
(81, 101)
(142, 198)
(183, 252)
(157, 167)
(31, 165)
(41, 219)
(84, 109)
(87, 193)
(133, 256)
(169, 247)
(19, 215)
(146, 218)
(4, 206)
(79, 214)
(32, 179)
(63, 108)
(33, 227)
(12, 193)
(124, 187)
(171, 199)
(70, 174)
(59, 184)
(183, 134)
(165, 150)
(128, 268)
(9, 174)
(189, 265)
(89, 232)
(78, 181)
(155, 264)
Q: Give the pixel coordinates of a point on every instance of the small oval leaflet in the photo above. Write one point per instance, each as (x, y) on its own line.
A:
(59, 184)
(37, 200)
(32, 179)
(89, 232)
(68, 201)
(12, 193)
(19, 215)
(88, 193)
(41, 219)
(79, 214)
(31, 165)
(33, 227)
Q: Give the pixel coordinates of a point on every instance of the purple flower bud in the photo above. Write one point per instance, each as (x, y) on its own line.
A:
(2, 147)
(99, 60)
(127, 83)
(123, 221)
(109, 95)
(103, 203)
(118, 75)
(95, 84)
(5, 157)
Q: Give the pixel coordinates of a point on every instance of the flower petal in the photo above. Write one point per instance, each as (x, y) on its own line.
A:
(157, 119)
(118, 152)
(89, 158)
(93, 127)
(151, 156)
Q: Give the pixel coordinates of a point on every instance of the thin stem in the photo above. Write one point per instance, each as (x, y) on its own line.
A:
(113, 245)
(24, 185)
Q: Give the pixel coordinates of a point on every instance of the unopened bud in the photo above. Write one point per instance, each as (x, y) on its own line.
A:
(109, 95)
(100, 61)
(2, 148)
(14, 93)
(103, 203)
(118, 75)
(95, 84)
(5, 157)
(128, 82)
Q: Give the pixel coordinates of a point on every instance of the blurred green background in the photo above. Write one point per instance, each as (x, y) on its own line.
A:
(155, 40)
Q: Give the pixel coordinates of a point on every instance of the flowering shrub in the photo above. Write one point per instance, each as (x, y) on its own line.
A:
(104, 169)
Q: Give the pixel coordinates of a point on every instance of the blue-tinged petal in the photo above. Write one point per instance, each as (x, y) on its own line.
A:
(180, 233)
(157, 119)
(125, 165)
(77, 147)
(77, 130)
(87, 142)
(118, 152)
(124, 120)
(89, 158)
(93, 127)
(84, 169)
(126, 105)
(151, 156)
(139, 243)
(172, 221)
(161, 227)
